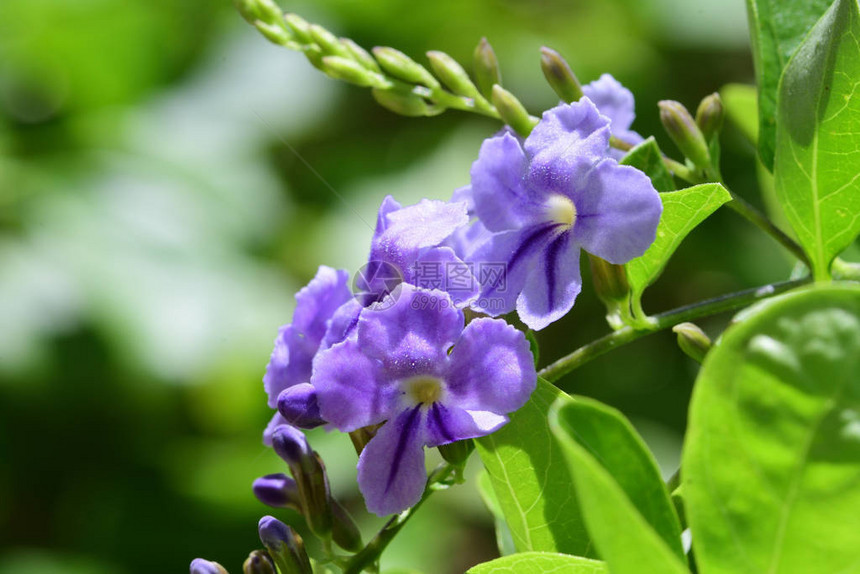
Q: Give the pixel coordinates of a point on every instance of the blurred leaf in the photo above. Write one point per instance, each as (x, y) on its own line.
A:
(772, 457)
(647, 157)
(741, 105)
(776, 28)
(531, 479)
(683, 210)
(625, 504)
(504, 538)
(817, 156)
(540, 563)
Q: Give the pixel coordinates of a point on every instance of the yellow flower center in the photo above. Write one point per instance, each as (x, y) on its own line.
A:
(423, 389)
(561, 210)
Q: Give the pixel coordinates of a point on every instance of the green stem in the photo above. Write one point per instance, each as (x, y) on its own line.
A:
(370, 553)
(729, 302)
(758, 219)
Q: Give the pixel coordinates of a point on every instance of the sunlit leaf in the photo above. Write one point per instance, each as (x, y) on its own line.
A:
(540, 563)
(647, 157)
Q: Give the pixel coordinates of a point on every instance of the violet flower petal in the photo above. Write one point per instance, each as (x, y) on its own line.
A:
(553, 285)
(616, 103)
(449, 424)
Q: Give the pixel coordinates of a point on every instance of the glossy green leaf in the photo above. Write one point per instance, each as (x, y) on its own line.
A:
(540, 563)
(504, 538)
(531, 479)
(817, 168)
(776, 28)
(741, 105)
(647, 157)
(771, 465)
(626, 506)
(683, 210)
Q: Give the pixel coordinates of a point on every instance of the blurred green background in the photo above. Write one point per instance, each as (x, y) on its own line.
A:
(158, 212)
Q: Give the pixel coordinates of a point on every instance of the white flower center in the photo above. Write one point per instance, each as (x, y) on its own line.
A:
(560, 209)
(423, 389)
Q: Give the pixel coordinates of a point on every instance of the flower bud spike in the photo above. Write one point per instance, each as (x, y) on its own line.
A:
(486, 68)
(315, 57)
(259, 562)
(401, 66)
(328, 42)
(201, 566)
(276, 35)
(344, 530)
(512, 111)
(685, 133)
(404, 103)
(709, 116)
(308, 471)
(559, 76)
(300, 28)
(360, 55)
(452, 74)
(285, 546)
(693, 341)
(265, 11)
(278, 491)
(348, 70)
(458, 452)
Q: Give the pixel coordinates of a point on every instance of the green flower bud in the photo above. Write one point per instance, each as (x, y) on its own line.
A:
(404, 103)
(276, 34)
(344, 531)
(457, 453)
(709, 116)
(610, 280)
(401, 66)
(285, 546)
(360, 55)
(452, 74)
(559, 75)
(512, 111)
(328, 42)
(259, 562)
(300, 28)
(692, 340)
(315, 56)
(265, 11)
(685, 133)
(350, 71)
(486, 68)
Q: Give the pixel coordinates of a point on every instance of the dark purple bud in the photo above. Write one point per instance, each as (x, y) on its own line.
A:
(259, 562)
(298, 405)
(278, 491)
(291, 445)
(201, 566)
(285, 546)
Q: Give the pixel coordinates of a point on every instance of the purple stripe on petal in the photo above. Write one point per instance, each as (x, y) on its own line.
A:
(550, 262)
(438, 414)
(530, 241)
(454, 423)
(409, 428)
(537, 305)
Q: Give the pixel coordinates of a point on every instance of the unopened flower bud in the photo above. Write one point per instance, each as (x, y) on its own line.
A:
(315, 57)
(259, 562)
(259, 10)
(344, 530)
(299, 27)
(693, 341)
(709, 116)
(308, 470)
(684, 132)
(298, 405)
(486, 68)
(201, 566)
(457, 452)
(360, 55)
(285, 546)
(559, 75)
(512, 111)
(403, 102)
(328, 42)
(452, 74)
(278, 491)
(275, 34)
(402, 66)
(349, 70)
(610, 280)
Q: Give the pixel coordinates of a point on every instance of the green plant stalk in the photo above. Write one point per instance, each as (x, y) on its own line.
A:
(372, 551)
(729, 302)
(757, 218)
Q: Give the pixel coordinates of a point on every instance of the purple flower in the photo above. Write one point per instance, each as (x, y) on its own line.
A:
(298, 342)
(549, 196)
(616, 103)
(409, 245)
(399, 369)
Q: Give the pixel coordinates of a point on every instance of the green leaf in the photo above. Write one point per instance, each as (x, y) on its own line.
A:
(626, 506)
(683, 210)
(647, 157)
(776, 28)
(531, 479)
(771, 463)
(540, 563)
(504, 538)
(817, 168)
(741, 108)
